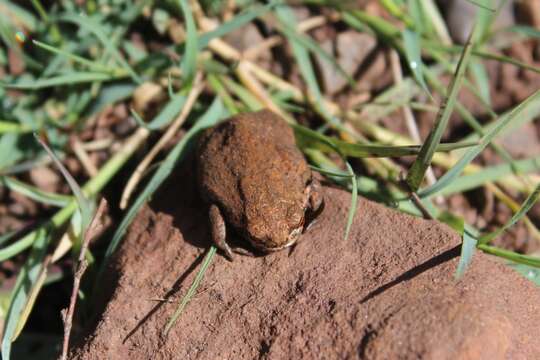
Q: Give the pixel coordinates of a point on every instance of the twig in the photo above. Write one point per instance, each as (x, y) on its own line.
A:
(99, 144)
(425, 213)
(167, 136)
(82, 264)
(83, 157)
(255, 87)
(253, 52)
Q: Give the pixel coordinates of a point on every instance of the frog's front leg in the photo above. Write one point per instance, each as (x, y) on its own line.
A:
(218, 231)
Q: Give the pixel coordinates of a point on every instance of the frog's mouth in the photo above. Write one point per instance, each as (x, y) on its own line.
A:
(307, 221)
(294, 235)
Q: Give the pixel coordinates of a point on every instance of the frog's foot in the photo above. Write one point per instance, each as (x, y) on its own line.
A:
(219, 232)
(316, 200)
(245, 252)
(316, 205)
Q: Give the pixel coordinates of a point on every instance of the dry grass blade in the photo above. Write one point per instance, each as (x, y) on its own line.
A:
(83, 157)
(525, 207)
(67, 315)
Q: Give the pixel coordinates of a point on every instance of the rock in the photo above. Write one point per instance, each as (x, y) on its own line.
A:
(461, 15)
(530, 11)
(522, 142)
(45, 178)
(147, 98)
(246, 37)
(352, 48)
(15, 62)
(387, 292)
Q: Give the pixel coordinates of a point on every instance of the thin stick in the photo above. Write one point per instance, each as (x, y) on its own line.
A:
(83, 157)
(167, 136)
(98, 144)
(416, 200)
(82, 264)
(255, 87)
(253, 52)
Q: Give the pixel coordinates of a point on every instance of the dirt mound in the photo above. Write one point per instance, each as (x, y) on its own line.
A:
(386, 293)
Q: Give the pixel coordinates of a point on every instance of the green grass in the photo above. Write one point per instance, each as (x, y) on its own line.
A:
(80, 60)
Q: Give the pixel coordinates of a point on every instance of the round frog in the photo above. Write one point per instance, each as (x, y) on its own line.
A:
(254, 178)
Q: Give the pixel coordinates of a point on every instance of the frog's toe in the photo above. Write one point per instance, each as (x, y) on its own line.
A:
(219, 232)
(315, 196)
(223, 246)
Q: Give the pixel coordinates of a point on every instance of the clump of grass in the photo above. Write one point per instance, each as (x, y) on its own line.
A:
(79, 60)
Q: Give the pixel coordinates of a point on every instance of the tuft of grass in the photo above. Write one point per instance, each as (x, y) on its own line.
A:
(466, 159)
(419, 167)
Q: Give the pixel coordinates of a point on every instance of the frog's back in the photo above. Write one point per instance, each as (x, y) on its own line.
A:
(251, 168)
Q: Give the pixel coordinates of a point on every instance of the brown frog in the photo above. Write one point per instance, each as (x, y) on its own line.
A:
(253, 177)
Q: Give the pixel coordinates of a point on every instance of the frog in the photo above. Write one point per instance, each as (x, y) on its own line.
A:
(255, 180)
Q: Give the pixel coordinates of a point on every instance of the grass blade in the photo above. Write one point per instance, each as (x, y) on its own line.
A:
(488, 174)
(354, 200)
(138, 119)
(412, 46)
(235, 23)
(480, 75)
(34, 193)
(93, 65)
(301, 54)
(191, 291)
(510, 255)
(96, 29)
(432, 14)
(7, 236)
(65, 79)
(456, 170)
(422, 162)
(28, 276)
(529, 272)
(251, 102)
(315, 48)
(306, 137)
(525, 207)
(12, 127)
(468, 247)
(33, 293)
(109, 94)
(167, 114)
(485, 55)
(189, 59)
(84, 204)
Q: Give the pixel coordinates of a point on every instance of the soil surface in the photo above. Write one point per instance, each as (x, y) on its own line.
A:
(387, 292)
